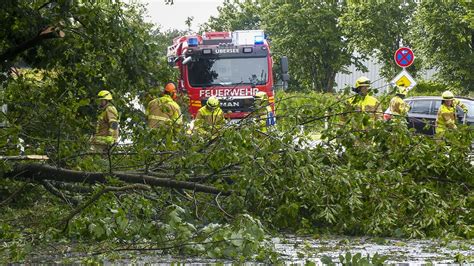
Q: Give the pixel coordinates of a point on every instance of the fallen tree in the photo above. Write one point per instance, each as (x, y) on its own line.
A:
(39, 172)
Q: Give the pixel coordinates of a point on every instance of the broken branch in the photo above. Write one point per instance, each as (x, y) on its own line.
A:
(40, 172)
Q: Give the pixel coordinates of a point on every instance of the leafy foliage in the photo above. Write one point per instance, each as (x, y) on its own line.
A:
(446, 46)
(384, 181)
(379, 29)
(236, 15)
(327, 37)
(106, 46)
(323, 170)
(434, 88)
(355, 259)
(309, 34)
(390, 162)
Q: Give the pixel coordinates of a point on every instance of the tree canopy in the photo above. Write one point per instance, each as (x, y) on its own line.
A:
(236, 15)
(309, 34)
(444, 37)
(378, 30)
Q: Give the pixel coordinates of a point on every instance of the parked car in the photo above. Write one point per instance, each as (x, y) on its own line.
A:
(424, 109)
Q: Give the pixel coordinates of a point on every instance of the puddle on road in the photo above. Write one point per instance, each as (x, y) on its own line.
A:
(301, 250)
(406, 252)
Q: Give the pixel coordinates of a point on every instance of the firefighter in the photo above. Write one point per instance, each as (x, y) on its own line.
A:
(209, 118)
(107, 131)
(363, 102)
(263, 112)
(446, 119)
(164, 110)
(398, 107)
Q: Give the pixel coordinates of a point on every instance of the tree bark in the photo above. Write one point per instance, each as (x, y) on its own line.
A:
(39, 172)
(331, 75)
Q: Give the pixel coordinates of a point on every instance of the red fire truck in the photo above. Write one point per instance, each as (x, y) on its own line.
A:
(232, 66)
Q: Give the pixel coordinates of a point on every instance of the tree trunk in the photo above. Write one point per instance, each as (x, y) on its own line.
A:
(39, 172)
(330, 81)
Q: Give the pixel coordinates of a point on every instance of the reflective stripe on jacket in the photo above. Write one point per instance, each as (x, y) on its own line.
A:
(163, 109)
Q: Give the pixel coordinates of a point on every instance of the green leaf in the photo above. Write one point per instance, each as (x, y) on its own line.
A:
(237, 239)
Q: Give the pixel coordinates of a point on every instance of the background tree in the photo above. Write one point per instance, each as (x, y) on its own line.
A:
(378, 29)
(236, 15)
(308, 33)
(444, 38)
(469, 5)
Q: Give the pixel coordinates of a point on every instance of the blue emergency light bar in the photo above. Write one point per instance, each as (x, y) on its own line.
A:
(258, 39)
(192, 42)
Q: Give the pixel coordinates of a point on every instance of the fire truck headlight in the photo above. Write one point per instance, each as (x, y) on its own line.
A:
(206, 51)
(187, 60)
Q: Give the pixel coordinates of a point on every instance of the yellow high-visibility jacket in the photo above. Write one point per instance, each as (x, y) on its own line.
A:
(446, 119)
(107, 122)
(209, 120)
(163, 110)
(368, 104)
(398, 106)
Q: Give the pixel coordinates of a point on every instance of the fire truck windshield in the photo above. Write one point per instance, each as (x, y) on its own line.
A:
(204, 72)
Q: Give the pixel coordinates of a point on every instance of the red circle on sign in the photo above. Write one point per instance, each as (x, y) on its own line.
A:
(404, 57)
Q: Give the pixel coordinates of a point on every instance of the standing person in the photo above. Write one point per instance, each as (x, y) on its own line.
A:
(446, 119)
(107, 132)
(210, 117)
(164, 110)
(398, 107)
(263, 112)
(363, 102)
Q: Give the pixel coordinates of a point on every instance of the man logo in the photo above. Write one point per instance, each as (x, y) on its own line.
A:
(230, 104)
